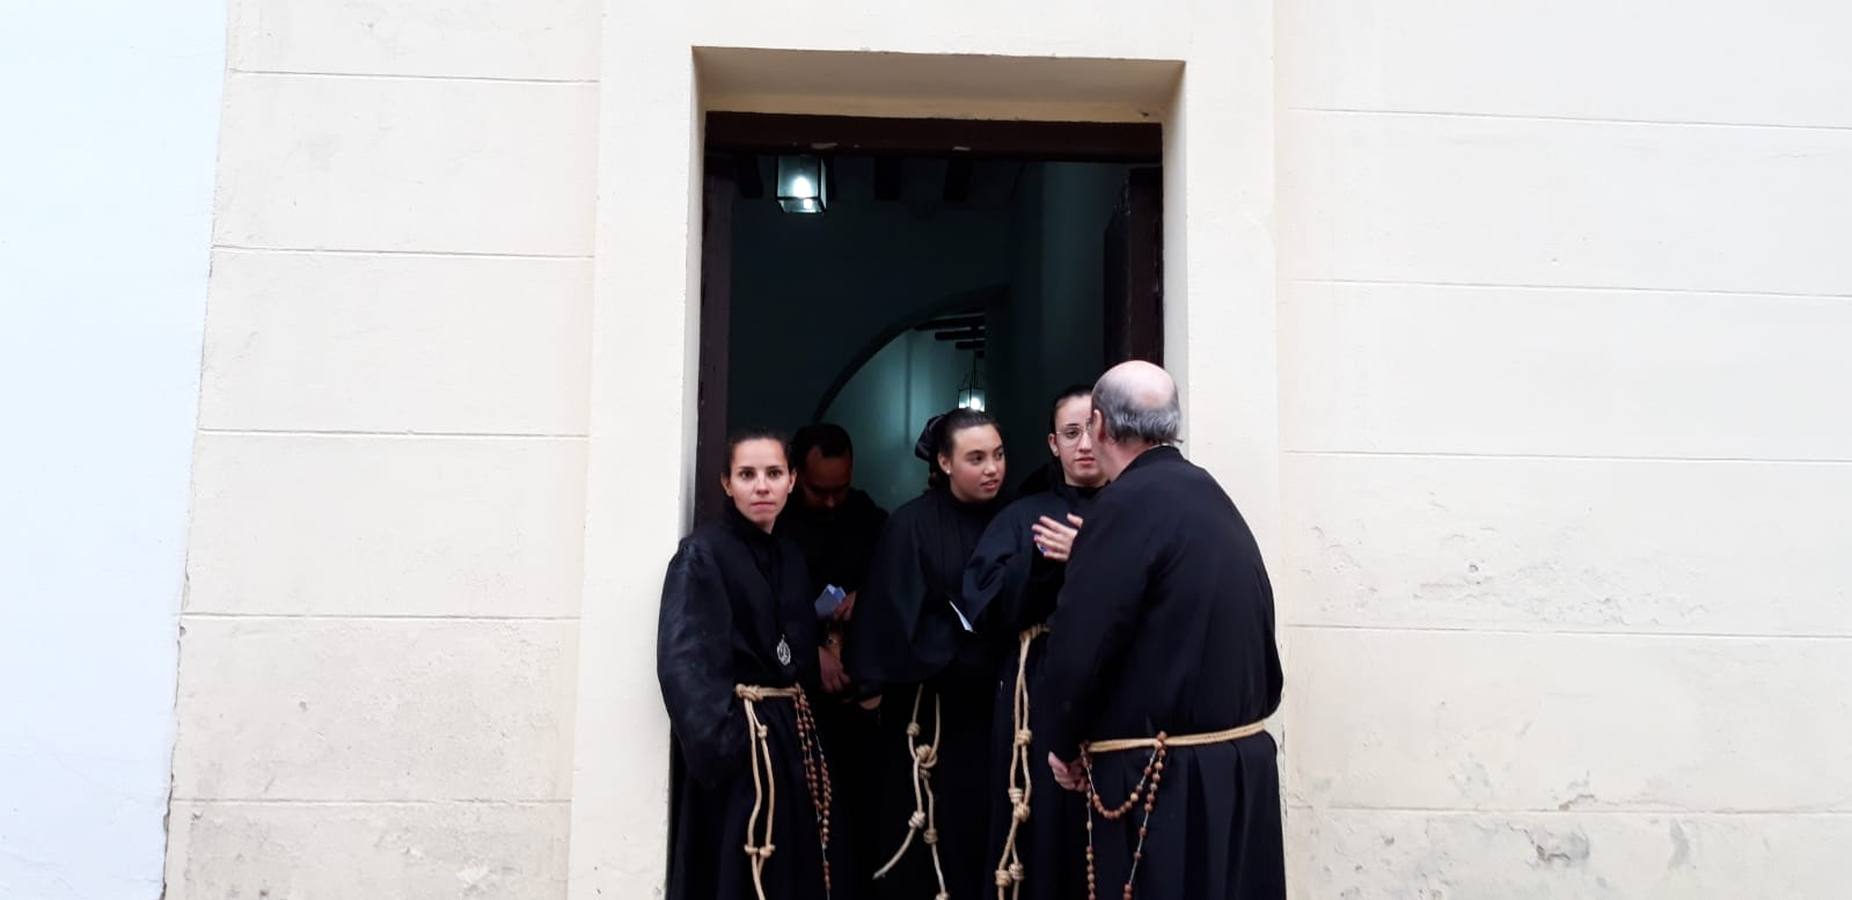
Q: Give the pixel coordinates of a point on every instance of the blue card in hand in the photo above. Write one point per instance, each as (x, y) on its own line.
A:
(829, 600)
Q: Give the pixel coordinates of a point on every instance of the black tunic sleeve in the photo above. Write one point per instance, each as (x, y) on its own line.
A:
(880, 651)
(1106, 579)
(694, 663)
(998, 571)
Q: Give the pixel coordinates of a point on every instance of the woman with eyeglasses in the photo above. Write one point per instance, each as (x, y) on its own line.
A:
(1010, 586)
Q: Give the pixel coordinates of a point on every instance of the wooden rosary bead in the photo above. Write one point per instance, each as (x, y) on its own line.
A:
(1147, 790)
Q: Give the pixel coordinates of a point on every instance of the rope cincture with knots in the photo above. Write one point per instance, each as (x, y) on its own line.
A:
(1010, 872)
(924, 820)
(764, 783)
(1147, 786)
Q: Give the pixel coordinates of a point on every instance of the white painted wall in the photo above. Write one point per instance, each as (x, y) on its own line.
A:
(375, 693)
(1563, 317)
(111, 120)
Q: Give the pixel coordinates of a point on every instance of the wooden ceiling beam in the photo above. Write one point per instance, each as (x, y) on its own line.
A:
(1126, 142)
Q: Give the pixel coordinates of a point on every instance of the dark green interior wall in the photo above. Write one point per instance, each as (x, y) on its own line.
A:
(811, 292)
(1051, 336)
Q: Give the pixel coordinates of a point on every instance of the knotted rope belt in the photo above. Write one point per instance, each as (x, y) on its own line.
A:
(1009, 867)
(1153, 776)
(765, 786)
(924, 820)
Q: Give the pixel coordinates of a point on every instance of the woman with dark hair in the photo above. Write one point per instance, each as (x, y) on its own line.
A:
(736, 645)
(911, 647)
(1010, 585)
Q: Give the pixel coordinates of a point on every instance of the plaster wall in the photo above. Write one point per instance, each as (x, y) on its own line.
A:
(1561, 305)
(378, 651)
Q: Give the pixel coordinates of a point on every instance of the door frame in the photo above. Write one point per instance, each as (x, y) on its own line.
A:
(1205, 71)
(733, 136)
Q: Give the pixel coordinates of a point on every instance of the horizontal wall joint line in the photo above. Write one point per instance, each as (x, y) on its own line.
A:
(268, 801)
(1568, 288)
(396, 76)
(397, 435)
(1571, 457)
(1571, 632)
(369, 617)
(1578, 120)
(433, 254)
(1656, 811)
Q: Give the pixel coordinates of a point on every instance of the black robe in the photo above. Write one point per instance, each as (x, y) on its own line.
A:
(1009, 587)
(1166, 624)
(838, 544)
(838, 547)
(905, 634)
(732, 594)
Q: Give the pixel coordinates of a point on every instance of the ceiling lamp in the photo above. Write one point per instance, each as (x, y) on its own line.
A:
(803, 184)
(971, 391)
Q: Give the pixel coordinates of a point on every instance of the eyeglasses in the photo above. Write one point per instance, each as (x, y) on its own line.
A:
(1070, 436)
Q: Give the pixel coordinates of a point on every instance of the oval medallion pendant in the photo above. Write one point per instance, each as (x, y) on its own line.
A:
(784, 652)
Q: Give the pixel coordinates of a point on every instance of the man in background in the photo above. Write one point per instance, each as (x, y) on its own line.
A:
(836, 526)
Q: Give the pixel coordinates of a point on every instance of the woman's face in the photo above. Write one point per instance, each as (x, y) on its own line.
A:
(759, 480)
(1072, 443)
(975, 464)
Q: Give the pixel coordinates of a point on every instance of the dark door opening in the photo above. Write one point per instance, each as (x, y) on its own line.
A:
(954, 262)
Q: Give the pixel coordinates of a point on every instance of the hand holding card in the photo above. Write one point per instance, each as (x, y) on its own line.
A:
(829, 600)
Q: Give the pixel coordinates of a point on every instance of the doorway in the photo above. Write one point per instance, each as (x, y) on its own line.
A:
(874, 272)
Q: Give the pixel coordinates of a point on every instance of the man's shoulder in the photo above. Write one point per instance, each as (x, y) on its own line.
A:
(1170, 468)
(1175, 485)
(864, 506)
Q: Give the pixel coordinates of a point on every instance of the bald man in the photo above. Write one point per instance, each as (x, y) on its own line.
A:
(1161, 666)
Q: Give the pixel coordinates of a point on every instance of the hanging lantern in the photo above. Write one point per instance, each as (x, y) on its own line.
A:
(803, 184)
(971, 390)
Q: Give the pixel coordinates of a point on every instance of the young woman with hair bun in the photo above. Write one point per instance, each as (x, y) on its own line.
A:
(912, 651)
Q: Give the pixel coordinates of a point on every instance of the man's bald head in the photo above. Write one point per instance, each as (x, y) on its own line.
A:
(1136, 403)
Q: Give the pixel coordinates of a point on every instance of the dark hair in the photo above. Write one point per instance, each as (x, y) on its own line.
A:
(936, 438)
(1067, 393)
(742, 435)
(827, 438)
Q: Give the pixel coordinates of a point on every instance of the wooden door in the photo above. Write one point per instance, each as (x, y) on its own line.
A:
(716, 299)
(1134, 270)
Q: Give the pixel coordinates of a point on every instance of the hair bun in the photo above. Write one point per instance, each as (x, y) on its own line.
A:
(927, 447)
